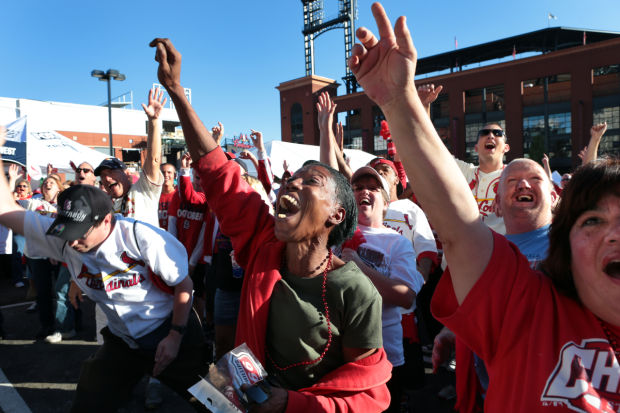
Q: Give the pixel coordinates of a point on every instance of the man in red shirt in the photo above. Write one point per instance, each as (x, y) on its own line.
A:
(167, 193)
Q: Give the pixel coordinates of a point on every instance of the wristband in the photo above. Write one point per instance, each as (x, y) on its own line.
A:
(179, 329)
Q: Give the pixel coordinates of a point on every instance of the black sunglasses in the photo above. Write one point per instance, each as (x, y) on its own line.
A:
(85, 170)
(496, 132)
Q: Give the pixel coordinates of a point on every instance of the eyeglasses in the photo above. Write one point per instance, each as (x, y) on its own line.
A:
(22, 186)
(85, 170)
(496, 132)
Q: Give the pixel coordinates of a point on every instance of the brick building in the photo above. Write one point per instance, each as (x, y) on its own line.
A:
(547, 98)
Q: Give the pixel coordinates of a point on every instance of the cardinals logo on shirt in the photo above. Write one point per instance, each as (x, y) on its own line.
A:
(586, 378)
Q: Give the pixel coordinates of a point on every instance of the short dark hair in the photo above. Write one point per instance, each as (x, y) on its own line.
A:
(344, 198)
(168, 163)
(589, 184)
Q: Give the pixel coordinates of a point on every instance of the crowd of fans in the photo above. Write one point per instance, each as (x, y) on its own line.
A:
(327, 273)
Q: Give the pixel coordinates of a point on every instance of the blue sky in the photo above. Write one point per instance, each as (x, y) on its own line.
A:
(235, 53)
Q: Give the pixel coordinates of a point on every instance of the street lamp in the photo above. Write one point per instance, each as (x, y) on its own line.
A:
(109, 75)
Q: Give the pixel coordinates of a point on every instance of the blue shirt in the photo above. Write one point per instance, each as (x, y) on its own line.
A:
(533, 244)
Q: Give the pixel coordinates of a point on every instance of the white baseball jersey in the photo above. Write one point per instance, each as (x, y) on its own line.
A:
(130, 275)
(408, 219)
(484, 188)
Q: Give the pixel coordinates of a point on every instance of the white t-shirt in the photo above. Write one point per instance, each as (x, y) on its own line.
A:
(392, 255)
(40, 206)
(484, 187)
(408, 219)
(142, 200)
(120, 274)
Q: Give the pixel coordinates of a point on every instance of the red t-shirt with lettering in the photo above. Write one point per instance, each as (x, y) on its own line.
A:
(162, 212)
(544, 352)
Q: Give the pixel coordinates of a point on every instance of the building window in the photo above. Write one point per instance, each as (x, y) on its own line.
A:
(611, 115)
(557, 145)
(297, 123)
(471, 138)
(352, 127)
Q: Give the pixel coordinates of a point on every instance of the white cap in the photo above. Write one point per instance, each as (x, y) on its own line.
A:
(367, 170)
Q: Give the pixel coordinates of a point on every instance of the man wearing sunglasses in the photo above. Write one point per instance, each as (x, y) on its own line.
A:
(483, 179)
(85, 174)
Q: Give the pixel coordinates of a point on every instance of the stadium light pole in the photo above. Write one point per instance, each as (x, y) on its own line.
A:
(108, 76)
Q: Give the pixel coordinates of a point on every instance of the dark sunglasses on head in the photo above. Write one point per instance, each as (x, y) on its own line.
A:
(85, 170)
(496, 132)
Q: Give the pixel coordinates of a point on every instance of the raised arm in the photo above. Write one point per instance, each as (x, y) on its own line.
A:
(546, 166)
(326, 108)
(428, 94)
(263, 163)
(199, 140)
(11, 214)
(596, 134)
(186, 189)
(218, 132)
(385, 68)
(15, 173)
(152, 161)
(343, 165)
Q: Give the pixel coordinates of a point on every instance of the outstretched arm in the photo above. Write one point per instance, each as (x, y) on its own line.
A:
(343, 166)
(596, 134)
(199, 140)
(152, 161)
(326, 108)
(428, 94)
(11, 214)
(546, 166)
(15, 173)
(218, 132)
(263, 163)
(385, 68)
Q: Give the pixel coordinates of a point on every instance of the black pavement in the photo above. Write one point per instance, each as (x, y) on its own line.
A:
(39, 377)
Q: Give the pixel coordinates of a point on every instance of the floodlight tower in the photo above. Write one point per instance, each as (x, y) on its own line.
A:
(314, 26)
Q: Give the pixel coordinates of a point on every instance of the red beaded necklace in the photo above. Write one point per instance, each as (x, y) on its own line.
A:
(611, 337)
(329, 327)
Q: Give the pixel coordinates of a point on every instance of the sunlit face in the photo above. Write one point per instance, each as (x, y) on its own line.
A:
(22, 189)
(595, 262)
(93, 237)
(491, 147)
(85, 175)
(388, 173)
(525, 193)
(196, 181)
(50, 190)
(306, 208)
(115, 182)
(371, 205)
(565, 179)
(169, 173)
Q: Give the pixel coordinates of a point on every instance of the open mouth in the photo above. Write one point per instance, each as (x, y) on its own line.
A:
(613, 269)
(364, 201)
(490, 145)
(287, 206)
(525, 198)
